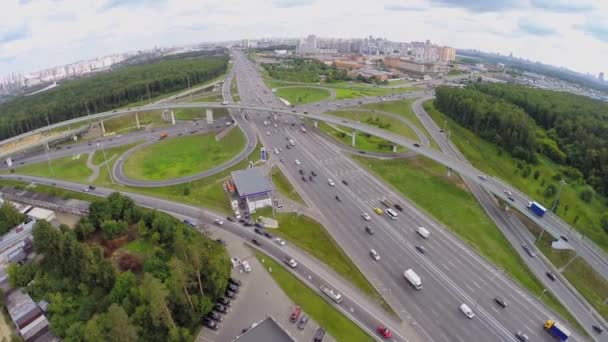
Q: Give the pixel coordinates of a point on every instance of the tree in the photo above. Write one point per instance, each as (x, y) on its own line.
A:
(550, 191)
(586, 195)
(155, 294)
(178, 280)
(125, 283)
(120, 327)
(93, 332)
(112, 229)
(9, 217)
(84, 229)
(604, 222)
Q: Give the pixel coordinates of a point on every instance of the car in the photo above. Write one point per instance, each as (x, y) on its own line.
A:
(338, 198)
(230, 218)
(91, 187)
(259, 225)
(314, 174)
(268, 235)
(528, 250)
(378, 211)
(597, 328)
(374, 254)
(258, 231)
(236, 261)
(232, 288)
(267, 133)
(564, 238)
(214, 316)
(511, 198)
(303, 178)
(224, 301)
(500, 302)
(551, 276)
(421, 249)
(301, 171)
(369, 230)
(279, 241)
(303, 321)
(384, 331)
(398, 207)
(416, 145)
(282, 160)
(508, 192)
(297, 162)
(366, 216)
(218, 222)
(295, 314)
(482, 177)
(466, 310)
(344, 182)
(256, 242)
(209, 323)
(522, 337)
(290, 261)
(246, 266)
(230, 294)
(319, 334)
(85, 189)
(330, 182)
(220, 308)
(221, 242)
(235, 281)
(247, 224)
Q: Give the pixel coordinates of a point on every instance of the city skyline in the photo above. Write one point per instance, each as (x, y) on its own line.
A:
(553, 32)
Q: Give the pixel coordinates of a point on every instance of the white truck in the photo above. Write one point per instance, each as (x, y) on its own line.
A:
(423, 232)
(413, 278)
(333, 295)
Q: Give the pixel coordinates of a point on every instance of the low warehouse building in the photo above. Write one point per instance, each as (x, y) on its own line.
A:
(41, 214)
(253, 188)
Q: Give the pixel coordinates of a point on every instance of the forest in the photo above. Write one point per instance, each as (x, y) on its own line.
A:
(124, 274)
(570, 129)
(9, 217)
(305, 70)
(105, 91)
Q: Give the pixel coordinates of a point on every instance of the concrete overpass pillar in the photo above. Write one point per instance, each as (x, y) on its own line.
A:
(9, 161)
(137, 120)
(103, 129)
(209, 115)
(172, 118)
(354, 137)
(316, 124)
(449, 172)
(394, 148)
(75, 137)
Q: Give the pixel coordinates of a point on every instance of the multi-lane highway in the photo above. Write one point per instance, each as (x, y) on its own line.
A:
(452, 274)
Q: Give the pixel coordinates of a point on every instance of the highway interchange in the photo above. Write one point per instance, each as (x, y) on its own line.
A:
(451, 272)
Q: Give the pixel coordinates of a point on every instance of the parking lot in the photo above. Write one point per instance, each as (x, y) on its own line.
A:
(259, 297)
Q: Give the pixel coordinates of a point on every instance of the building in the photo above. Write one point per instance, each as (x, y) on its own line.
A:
(27, 316)
(447, 54)
(601, 77)
(41, 214)
(266, 330)
(416, 67)
(252, 188)
(307, 46)
(348, 65)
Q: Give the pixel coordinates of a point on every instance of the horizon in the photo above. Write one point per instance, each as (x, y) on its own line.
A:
(553, 32)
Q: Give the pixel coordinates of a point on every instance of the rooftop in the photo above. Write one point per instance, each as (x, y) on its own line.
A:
(266, 330)
(251, 182)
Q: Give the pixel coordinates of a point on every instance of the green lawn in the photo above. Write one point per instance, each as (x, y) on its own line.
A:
(585, 217)
(67, 168)
(282, 184)
(426, 183)
(126, 123)
(183, 156)
(363, 142)
(377, 120)
(140, 247)
(300, 95)
(198, 113)
(47, 189)
(312, 237)
(115, 152)
(403, 108)
(209, 98)
(344, 90)
(332, 320)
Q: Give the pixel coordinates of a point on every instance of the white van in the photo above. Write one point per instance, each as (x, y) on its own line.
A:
(467, 311)
(391, 213)
(423, 232)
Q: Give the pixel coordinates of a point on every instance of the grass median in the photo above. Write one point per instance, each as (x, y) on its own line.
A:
(328, 317)
(282, 184)
(312, 237)
(183, 156)
(424, 181)
(301, 95)
(73, 168)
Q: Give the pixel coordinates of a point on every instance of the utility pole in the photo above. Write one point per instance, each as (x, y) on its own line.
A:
(561, 185)
(48, 158)
(148, 91)
(103, 150)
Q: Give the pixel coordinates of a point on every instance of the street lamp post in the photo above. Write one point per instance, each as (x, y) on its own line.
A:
(561, 185)
(103, 150)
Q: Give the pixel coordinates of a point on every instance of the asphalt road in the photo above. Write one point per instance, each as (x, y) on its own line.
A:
(517, 234)
(452, 274)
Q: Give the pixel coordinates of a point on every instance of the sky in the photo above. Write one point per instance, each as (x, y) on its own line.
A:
(36, 34)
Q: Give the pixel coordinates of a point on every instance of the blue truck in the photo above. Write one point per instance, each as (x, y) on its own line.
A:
(557, 330)
(538, 209)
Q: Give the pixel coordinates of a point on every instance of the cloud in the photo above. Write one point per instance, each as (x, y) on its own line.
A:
(403, 8)
(292, 3)
(130, 3)
(563, 6)
(480, 5)
(595, 28)
(535, 28)
(8, 35)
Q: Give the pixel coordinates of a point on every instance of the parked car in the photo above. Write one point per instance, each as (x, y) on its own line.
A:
(224, 301)
(302, 322)
(220, 308)
(295, 314)
(221, 242)
(319, 334)
(246, 266)
(235, 281)
(230, 294)
(209, 323)
(233, 288)
(214, 316)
